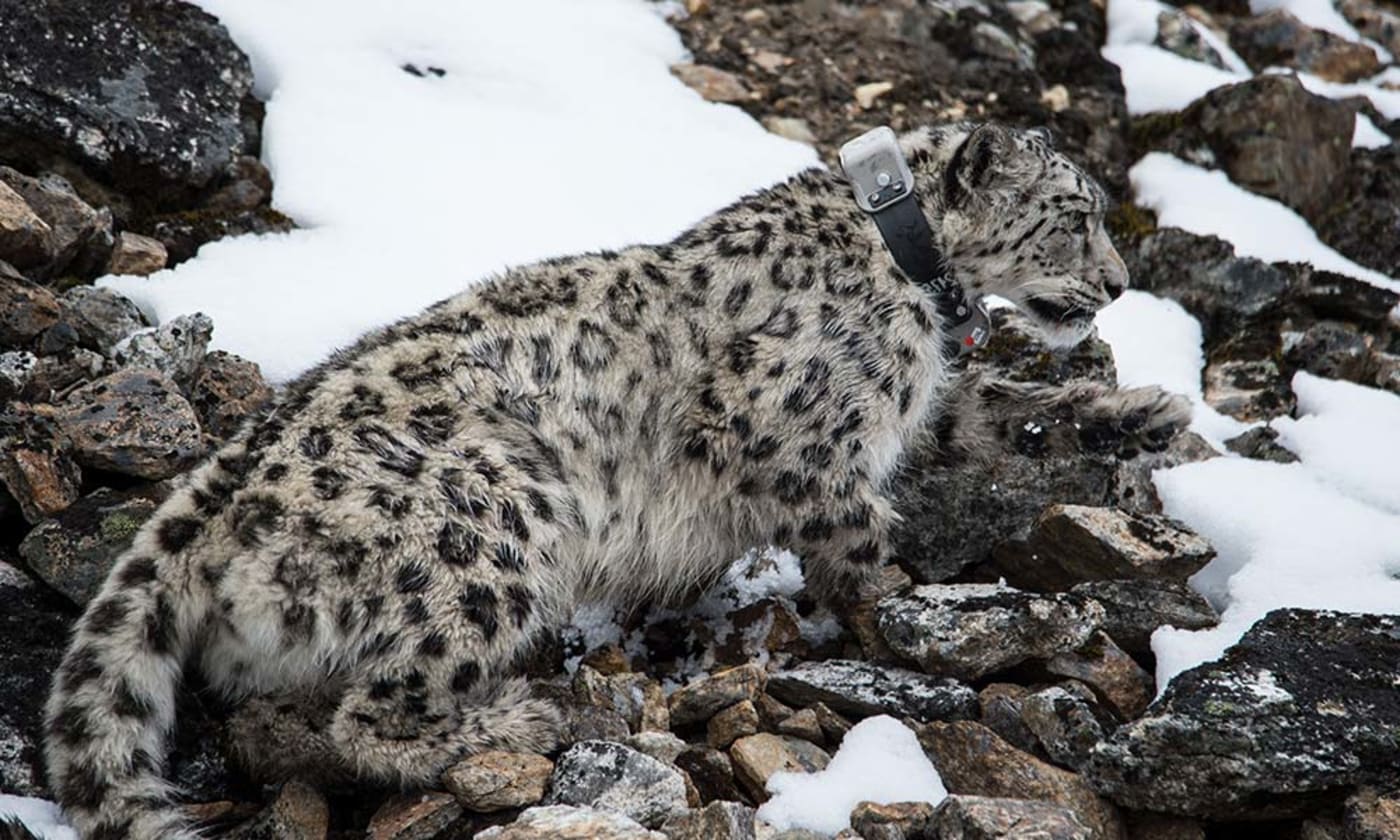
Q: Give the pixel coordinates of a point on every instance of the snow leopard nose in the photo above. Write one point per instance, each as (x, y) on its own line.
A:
(1114, 287)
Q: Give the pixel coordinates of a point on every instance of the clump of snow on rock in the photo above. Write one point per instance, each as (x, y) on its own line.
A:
(880, 761)
(41, 817)
(554, 129)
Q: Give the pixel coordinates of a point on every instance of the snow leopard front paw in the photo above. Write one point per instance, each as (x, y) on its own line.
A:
(1146, 418)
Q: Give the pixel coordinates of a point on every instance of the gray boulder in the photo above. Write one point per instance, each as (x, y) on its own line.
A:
(861, 689)
(612, 777)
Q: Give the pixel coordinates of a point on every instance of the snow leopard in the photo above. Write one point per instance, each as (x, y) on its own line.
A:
(404, 520)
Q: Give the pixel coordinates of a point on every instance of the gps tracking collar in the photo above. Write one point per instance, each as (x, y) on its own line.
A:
(884, 187)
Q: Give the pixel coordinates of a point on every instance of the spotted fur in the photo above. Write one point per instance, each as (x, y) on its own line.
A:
(408, 516)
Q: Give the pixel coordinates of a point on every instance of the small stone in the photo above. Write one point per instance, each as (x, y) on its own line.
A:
(711, 771)
(1177, 33)
(804, 725)
(1261, 443)
(82, 236)
(896, 820)
(413, 816)
(298, 813)
(613, 777)
(1055, 97)
(1134, 609)
(636, 697)
(74, 551)
(969, 630)
(861, 617)
(1113, 675)
(733, 723)
(1247, 389)
(973, 761)
(861, 689)
(1331, 349)
(984, 818)
(769, 60)
(25, 239)
(136, 254)
(226, 391)
(36, 465)
(101, 316)
(1002, 707)
(697, 702)
(25, 310)
(697, 7)
(792, 128)
(771, 710)
(1278, 39)
(1372, 815)
(493, 781)
(1070, 544)
(54, 375)
(134, 422)
(662, 746)
(754, 16)
(833, 725)
(758, 757)
(1064, 724)
(567, 822)
(866, 94)
(716, 821)
(608, 660)
(712, 83)
(175, 348)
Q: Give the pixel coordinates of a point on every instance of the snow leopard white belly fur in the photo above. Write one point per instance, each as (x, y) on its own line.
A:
(407, 516)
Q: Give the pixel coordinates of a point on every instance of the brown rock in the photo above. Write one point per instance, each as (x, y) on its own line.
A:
(25, 309)
(1116, 679)
(568, 822)
(1134, 609)
(82, 236)
(101, 316)
(1372, 21)
(413, 816)
(833, 725)
(25, 239)
(700, 700)
(298, 813)
(1372, 815)
(1277, 38)
(758, 757)
(771, 710)
(36, 465)
(972, 760)
(862, 618)
(607, 660)
(768, 626)
(493, 781)
(804, 725)
(894, 821)
(136, 254)
(716, 821)
(712, 773)
(1247, 389)
(636, 697)
(1001, 705)
(737, 721)
(134, 422)
(714, 84)
(983, 818)
(225, 391)
(1144, 826)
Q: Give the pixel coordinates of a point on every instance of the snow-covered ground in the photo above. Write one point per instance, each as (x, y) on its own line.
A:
(1322, 533)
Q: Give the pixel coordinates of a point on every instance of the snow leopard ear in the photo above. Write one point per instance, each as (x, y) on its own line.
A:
(977, 163)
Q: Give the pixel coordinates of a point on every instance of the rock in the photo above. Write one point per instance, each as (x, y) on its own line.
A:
(771, 710)
(866, 94)
(735, 722)
(101, 316)
(137, 254)
(758, 757)
(74, 551)
(298, 813)
(712, 83)
(1365, 211)
(984, 818)
(1178, 33)
(25, 309)
(636, 697)
(1063, 723)
(612, 777)
(862, 689)
(493, 781)
(1260, 443)
(972, 760)
(1278, 39)
(973, 629)
(697, 702)
(82, 236)
(1113, 675)
(833, 725)
(1331, 349)
(566, 822)
(226, 390)
(711, 771)
(1248, 389)
(662, 746)
(175, 348)
(1070, 544)
(792, 128)
(894, 821)
(25, 239)
(1387, 371)
(58, 339)
(133, 422)
(1372, 815)
(53, 375)
(145, 97)
(184, 233)
(36, 464)
(769, 627)
(1142, 826)
(16, 372)
(804, 725)
(1002, 705)
(1302, 707)
(1134, 609)
(35, 629)
(414, 816)
(716, 821)
(1379, 24)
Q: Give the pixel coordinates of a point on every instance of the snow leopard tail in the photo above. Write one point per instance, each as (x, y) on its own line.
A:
(113, 702)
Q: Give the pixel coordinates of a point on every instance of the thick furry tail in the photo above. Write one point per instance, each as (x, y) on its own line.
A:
(113, 703)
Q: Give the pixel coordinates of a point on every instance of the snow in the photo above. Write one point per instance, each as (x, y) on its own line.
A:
(538, 141)
(40, 816)
(880, 761)
(1205, 202)
(1158, 80)
(1367, 136)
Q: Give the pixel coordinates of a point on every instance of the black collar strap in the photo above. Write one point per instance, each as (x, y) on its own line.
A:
(884, 187)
